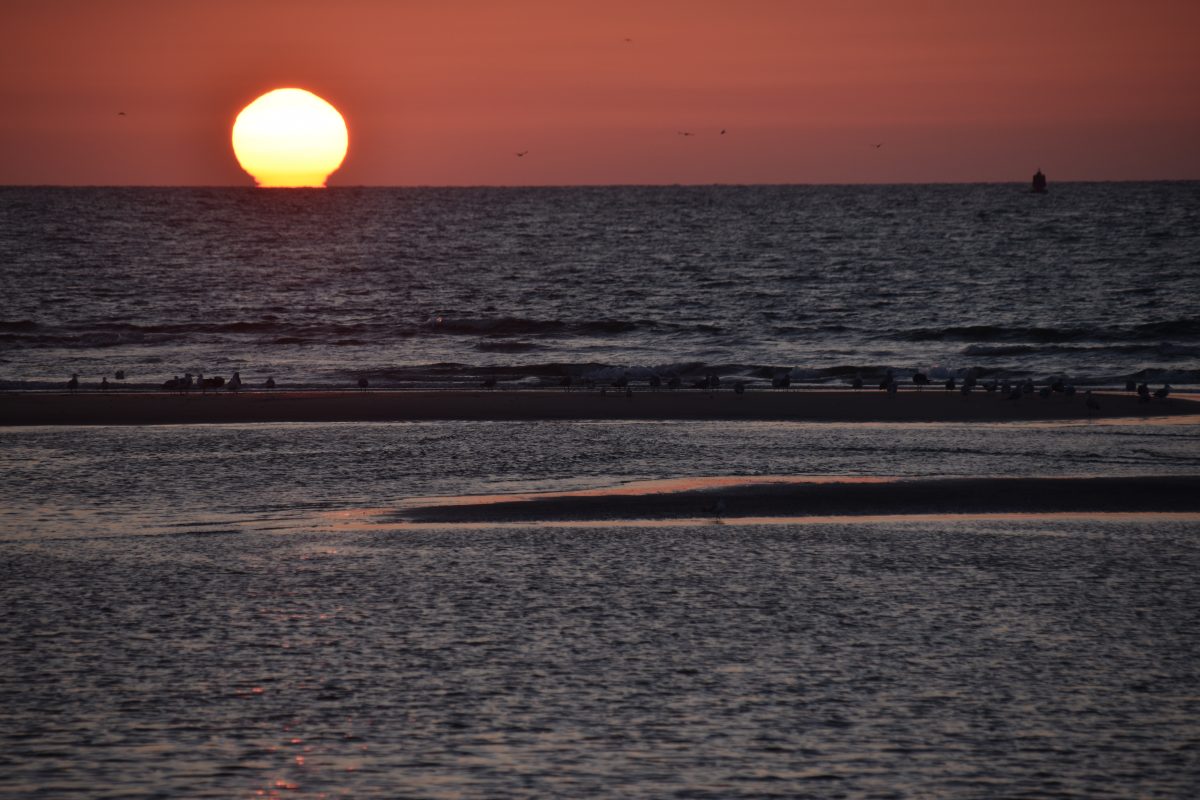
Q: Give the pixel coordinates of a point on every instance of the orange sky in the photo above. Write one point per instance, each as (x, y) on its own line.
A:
(443, 92)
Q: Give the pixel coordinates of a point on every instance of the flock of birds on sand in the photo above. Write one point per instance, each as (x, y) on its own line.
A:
(711, 382)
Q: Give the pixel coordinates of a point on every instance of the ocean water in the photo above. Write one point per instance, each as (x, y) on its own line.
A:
(206, 611)
(213, 611)
(414, 287)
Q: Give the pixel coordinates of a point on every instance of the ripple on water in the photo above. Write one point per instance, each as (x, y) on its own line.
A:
(978, 657)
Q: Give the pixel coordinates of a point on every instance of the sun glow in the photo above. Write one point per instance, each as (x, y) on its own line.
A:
(290, 138)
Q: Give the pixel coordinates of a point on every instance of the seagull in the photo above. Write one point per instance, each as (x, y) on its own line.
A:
(522, 154)
(685, 133)
(722, 131)
(877, 146)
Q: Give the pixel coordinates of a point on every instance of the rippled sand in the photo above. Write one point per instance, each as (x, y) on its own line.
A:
(974, 658)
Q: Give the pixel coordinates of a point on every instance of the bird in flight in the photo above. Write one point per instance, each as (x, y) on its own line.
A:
(627, 39)
(522, 154)
(877, 146)
(685, 133)
(722, 131)
(120, 113)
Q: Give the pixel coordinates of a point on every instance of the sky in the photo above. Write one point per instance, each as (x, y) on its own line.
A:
(445, 93)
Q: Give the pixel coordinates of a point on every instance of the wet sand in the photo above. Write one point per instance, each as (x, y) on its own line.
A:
(822, 498)
(931, 405)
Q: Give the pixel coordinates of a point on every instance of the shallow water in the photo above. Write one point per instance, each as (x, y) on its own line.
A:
(83, 481)
(980, 659)
(210, 611)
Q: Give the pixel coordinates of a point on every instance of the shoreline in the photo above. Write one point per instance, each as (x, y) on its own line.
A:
(829, 498)
(866, 405)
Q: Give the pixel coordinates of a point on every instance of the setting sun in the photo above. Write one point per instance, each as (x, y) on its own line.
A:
(290, 138)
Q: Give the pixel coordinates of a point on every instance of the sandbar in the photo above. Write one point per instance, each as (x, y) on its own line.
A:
(931, 405)
(829, 498)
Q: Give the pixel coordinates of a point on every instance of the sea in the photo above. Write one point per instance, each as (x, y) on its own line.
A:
(1093, 282)
(244, 610)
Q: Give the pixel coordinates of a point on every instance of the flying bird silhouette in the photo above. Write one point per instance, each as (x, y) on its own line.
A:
(120, 113)
(522, 154)
(685, 133)
(722, 131)
(877, 146)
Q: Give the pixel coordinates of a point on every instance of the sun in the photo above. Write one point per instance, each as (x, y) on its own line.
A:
(290, 137)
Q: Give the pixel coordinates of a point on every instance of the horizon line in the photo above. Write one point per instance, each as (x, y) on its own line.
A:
(571, 185)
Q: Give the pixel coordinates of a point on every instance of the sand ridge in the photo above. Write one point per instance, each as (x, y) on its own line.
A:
(931, 405)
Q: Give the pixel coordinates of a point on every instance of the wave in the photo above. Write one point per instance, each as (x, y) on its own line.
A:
(1002, 333)
(272, 330)
(1166, 349)
(521, 326)
(506, 346)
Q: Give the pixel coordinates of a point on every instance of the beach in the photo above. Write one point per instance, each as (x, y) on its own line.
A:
(930, 405)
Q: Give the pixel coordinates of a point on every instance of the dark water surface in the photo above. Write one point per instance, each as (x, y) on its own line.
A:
(187, 616)
(101, 481)
(1097, 282)
(933, 660)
